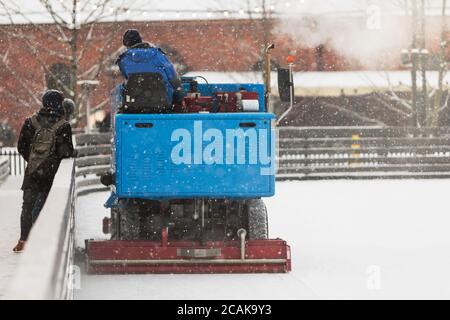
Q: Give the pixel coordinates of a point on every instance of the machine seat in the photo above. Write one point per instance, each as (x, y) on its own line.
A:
(145, 93)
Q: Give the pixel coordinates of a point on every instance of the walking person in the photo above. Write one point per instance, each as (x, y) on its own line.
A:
(45, 139)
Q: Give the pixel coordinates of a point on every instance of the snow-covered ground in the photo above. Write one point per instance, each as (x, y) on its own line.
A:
(10, 208)
(350, 239)
(333, 79)
(88, 217)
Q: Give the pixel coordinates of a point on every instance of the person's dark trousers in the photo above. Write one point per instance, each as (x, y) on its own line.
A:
(33, 202)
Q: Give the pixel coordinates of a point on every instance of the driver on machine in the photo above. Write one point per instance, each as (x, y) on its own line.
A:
(141, 57)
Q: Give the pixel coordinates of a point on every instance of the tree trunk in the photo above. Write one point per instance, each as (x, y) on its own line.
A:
(74, 59)
(414, 64)
(442, 69)
(425, 108)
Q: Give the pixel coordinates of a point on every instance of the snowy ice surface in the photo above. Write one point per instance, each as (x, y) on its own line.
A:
(10, 208)
(88, 217)
(350, 239)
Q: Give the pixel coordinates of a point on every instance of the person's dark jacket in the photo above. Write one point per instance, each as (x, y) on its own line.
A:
(64, 149)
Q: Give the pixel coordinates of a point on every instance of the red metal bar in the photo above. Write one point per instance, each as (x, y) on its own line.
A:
(164, 237)
(127, 257)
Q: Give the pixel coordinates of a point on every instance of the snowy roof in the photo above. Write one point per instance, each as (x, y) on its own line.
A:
(34, 11)
(329, 83)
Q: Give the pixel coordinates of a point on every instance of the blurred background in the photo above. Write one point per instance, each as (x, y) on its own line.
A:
(356, 63)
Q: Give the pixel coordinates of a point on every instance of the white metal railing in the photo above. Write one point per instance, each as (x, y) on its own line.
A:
(312, 153)
(17, 164)
(94, 159)
(4, 168)
(46, 266)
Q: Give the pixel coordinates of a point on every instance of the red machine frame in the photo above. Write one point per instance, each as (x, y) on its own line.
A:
(133, 257)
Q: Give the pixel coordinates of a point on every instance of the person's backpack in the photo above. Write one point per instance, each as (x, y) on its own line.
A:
(43, 143)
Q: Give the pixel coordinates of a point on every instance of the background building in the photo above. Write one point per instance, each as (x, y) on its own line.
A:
(41, 48)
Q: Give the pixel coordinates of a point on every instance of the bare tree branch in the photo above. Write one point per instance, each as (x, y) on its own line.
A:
(354, 114)
(99, 13)
(16, 97)
(395, 96)
(92, 72)
(47, 70)
(22, 36)
(59, 21)
(74, 26)
(20, 81)
(445, 105)
(9, 11)
(87, 40)
(391, 108)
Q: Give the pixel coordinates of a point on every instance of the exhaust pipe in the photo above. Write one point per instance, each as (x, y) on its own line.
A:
(267, 78)
(242, 233)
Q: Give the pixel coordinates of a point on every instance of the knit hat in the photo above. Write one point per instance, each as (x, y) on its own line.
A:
(68, 106)
(52, 102)
(131, 38)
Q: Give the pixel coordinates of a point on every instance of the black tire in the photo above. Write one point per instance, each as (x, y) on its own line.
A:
(136, 220)
(258, 225)
(115, 223)
(129, 220)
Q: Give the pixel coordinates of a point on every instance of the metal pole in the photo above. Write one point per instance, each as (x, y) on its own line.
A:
(267, 79)
(242, 233)
(291, 78)
(203, 213)
(88, 110)
(442, 68)
(15, 164)
(423, 60)
(87, 86)
(414, 63)
(291, 106)
(10, 163)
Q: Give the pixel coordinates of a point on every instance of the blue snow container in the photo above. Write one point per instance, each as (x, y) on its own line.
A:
(201, 155)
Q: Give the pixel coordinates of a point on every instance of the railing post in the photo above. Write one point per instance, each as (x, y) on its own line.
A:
(20, 164)
(10, 162)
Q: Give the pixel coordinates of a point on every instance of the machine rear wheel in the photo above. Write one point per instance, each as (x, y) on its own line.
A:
(115, 223)
(136, 220)
(129, 221)
(258, 225)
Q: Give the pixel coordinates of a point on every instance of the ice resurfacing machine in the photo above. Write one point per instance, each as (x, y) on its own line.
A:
(187, 186)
